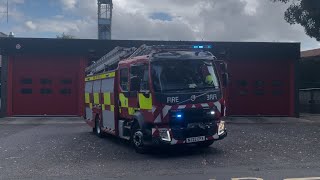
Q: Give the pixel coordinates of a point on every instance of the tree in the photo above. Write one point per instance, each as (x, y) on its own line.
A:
(65, 36)
(306, 13)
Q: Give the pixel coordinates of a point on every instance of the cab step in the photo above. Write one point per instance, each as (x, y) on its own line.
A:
(124, 129)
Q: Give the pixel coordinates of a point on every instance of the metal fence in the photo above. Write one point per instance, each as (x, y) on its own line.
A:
(310, 100)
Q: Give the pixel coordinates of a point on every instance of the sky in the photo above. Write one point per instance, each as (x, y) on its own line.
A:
(208, 20)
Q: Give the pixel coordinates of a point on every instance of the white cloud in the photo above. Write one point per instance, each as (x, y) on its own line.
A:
(30, 25)
(17, 1)
(59, 16)
(251, 6)
(69, 4)
(216, 20)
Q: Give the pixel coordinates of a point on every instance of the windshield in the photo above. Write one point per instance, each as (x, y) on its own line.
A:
(183, 75)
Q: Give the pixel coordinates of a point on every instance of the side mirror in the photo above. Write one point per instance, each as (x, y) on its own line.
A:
(225, 79)
(135, 83)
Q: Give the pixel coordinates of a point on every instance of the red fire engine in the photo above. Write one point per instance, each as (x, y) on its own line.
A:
(157, 95)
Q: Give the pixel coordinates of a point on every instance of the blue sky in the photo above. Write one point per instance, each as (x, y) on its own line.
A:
(214, 20)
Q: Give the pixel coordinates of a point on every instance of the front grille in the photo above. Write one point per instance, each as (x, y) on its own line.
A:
(191, 116)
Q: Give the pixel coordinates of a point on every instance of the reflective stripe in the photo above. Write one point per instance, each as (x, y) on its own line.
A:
(87, 97)
(218, 105)
(158, 119)
(100, 76)
(103, 107)
(112, 108)
(181, 106)
(131, 110)
(204, 105)
(106, 97)
(123, 100)
(145, 102)
(154, 109)
(165, 110)
(90, 105)
(96, 98)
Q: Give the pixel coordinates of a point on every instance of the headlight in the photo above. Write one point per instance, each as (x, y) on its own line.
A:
(212, 112)
(164, 135)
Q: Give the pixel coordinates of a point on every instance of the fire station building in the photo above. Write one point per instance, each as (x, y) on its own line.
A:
(46, 76)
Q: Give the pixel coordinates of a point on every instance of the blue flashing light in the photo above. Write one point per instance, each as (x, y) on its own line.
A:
(179, 116)
(202, 47)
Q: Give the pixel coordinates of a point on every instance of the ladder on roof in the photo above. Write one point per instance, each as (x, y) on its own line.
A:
(142, 50)
(111, 58)
(120, 53)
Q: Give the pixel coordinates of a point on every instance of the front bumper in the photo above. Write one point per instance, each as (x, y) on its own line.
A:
(172, 136)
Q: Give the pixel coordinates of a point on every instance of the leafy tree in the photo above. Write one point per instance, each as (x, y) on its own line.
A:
(306, 13)
(65, 36)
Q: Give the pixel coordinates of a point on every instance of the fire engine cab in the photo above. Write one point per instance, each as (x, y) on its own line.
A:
(157, 95)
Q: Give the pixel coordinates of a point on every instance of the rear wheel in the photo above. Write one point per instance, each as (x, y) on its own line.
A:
(205, 144)
(137, 139)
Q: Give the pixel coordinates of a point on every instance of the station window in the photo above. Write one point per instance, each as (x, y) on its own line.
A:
(66, 81)
(26, 81)
(124, 79)
(259, 83)
(242, 83)
(243, 92)
(45, 81)
(26, 91)
(65, 91)
(46, 91)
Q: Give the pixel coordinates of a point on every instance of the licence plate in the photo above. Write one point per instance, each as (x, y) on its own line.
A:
(195, 139)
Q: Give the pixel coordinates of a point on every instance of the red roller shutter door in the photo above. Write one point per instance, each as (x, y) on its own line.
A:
(45, 86)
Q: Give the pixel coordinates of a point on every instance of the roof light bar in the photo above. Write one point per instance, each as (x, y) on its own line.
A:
(183, 46)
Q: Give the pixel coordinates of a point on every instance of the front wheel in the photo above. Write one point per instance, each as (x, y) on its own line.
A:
(137, 137)
(205, 144)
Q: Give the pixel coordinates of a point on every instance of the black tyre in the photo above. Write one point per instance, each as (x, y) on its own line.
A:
(97, 129)
(137, 139)
(205, 144)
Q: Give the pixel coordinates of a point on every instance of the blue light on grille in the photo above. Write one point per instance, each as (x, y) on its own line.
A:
(179, 116)
(195, 47)
(200, 47)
